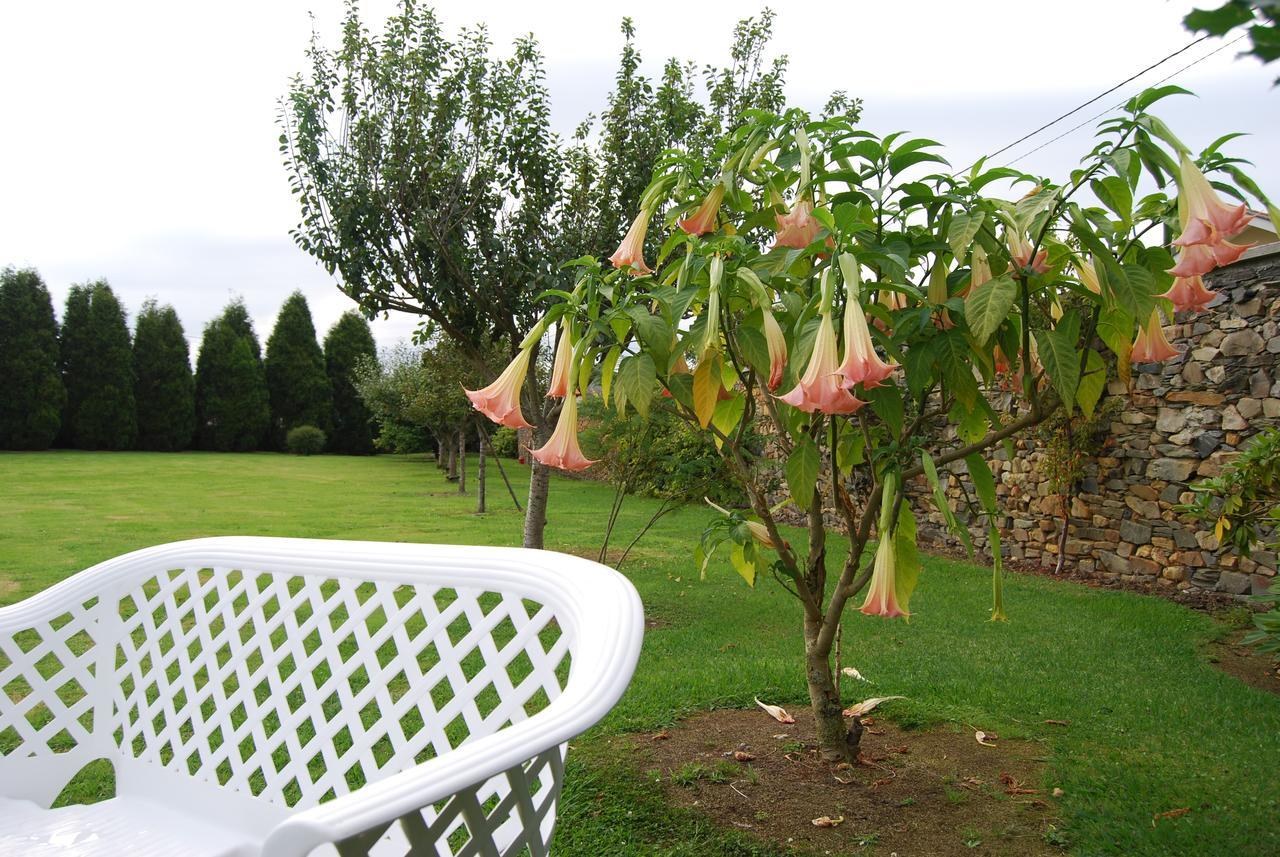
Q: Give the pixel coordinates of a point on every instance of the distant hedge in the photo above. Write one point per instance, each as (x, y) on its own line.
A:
(90, 384)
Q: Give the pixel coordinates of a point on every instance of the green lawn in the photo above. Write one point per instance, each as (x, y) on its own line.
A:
(1154, 727)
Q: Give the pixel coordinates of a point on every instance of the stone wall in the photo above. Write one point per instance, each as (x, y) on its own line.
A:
(1178, 422)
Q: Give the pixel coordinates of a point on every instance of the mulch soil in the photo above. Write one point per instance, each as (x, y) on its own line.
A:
(934, 792)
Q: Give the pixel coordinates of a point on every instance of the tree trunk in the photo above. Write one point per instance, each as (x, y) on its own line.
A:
(535, 514)
(462, 460)
(451, 455)
(480, 473)
(838, 742)
(439, 454)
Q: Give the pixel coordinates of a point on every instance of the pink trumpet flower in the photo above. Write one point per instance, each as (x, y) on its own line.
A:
(882, 596)
(630, 253)
(561, 368)
(561, 450)
(703, 219)
(777, 350)
(1189, 293)
(1196, 260)
(1207, 219)
(798, 228)
(821, 388)
(1020, 253)
(861, 363)
(1151, 346)
(500, 401)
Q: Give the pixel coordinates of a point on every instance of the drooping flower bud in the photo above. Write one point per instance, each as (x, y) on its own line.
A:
(1020, 253)
(1189, 293)
(821, 387)
(777, 349)
(562, 366)
(798, 228)
(561, 450)
(1088, 275)
(500, 401)
(630, 253)
(1151, 346)
(703, 219)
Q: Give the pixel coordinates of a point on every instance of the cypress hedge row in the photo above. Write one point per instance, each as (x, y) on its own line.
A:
(89, 384)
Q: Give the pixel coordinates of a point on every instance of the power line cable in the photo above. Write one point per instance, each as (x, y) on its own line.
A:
(1098, 97)
(1097, 116)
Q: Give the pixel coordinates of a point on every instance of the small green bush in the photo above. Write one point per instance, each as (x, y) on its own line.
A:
(305, 440)
(503, 442)
(660, 456)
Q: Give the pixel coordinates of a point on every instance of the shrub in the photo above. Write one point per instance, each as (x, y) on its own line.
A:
(97, 369)
(165, 387)
(31, 406)
(297, 383)
(349, 342)
(661, 456)
(233, 413)
(305, 440)
(504, 442)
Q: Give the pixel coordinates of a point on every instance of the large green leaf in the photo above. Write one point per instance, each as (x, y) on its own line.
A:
(1092, 383)
(802, 472)
(964, 225)
(1059, 355)
(635, 382)
(987, 306)
(886, 401)
(955, 362)
(1115, 194)
(907, 571)
(984, 483)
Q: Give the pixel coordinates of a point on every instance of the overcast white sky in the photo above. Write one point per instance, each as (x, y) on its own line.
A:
(138, 139)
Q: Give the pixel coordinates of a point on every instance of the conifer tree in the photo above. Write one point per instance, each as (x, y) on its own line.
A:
(97, 367)
(348, 346)
(165, 390)
(31, 407)
(295, 368)
(232, 409)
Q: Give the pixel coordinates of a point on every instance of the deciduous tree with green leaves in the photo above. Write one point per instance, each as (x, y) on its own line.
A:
(881, 315)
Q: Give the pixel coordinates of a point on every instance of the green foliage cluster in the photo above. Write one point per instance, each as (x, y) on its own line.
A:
(1243, 503)
(661, 457)
(297, 379)
(1260, 19)
(1071, 441)
(97, 370)
(305, 440)
(349, 343)
(90, 385)
(31, 407)
(164, 387)
(505, 442)
(233, 411)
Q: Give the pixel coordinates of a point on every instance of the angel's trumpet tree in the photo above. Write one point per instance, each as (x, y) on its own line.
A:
(739, 303)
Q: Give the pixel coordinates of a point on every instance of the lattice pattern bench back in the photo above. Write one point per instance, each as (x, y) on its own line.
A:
(300, 688)
(297, 672)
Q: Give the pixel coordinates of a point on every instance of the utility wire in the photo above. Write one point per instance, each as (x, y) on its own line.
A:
(1097, 116)
(1098, 97)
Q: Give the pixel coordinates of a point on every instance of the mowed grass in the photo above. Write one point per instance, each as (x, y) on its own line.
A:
(1153, 726)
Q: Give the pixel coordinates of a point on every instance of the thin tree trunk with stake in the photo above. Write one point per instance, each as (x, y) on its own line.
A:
(462, 461)
(480, 473)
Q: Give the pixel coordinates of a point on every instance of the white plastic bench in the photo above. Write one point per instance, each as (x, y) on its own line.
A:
(289, 697)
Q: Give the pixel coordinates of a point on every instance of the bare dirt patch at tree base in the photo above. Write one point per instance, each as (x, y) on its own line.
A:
(1245, 663)
(922, 793)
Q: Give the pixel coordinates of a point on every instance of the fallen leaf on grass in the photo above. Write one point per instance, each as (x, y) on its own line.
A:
(743, 756)
(1058, 722)
(1057, 792)
(982, 738)
(660, 736)
(903, 749)
(868, 705)
(875, 784)
(1014, 787)
(777, 712)
(853, 673)
(827, 821)
(1172, 813)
